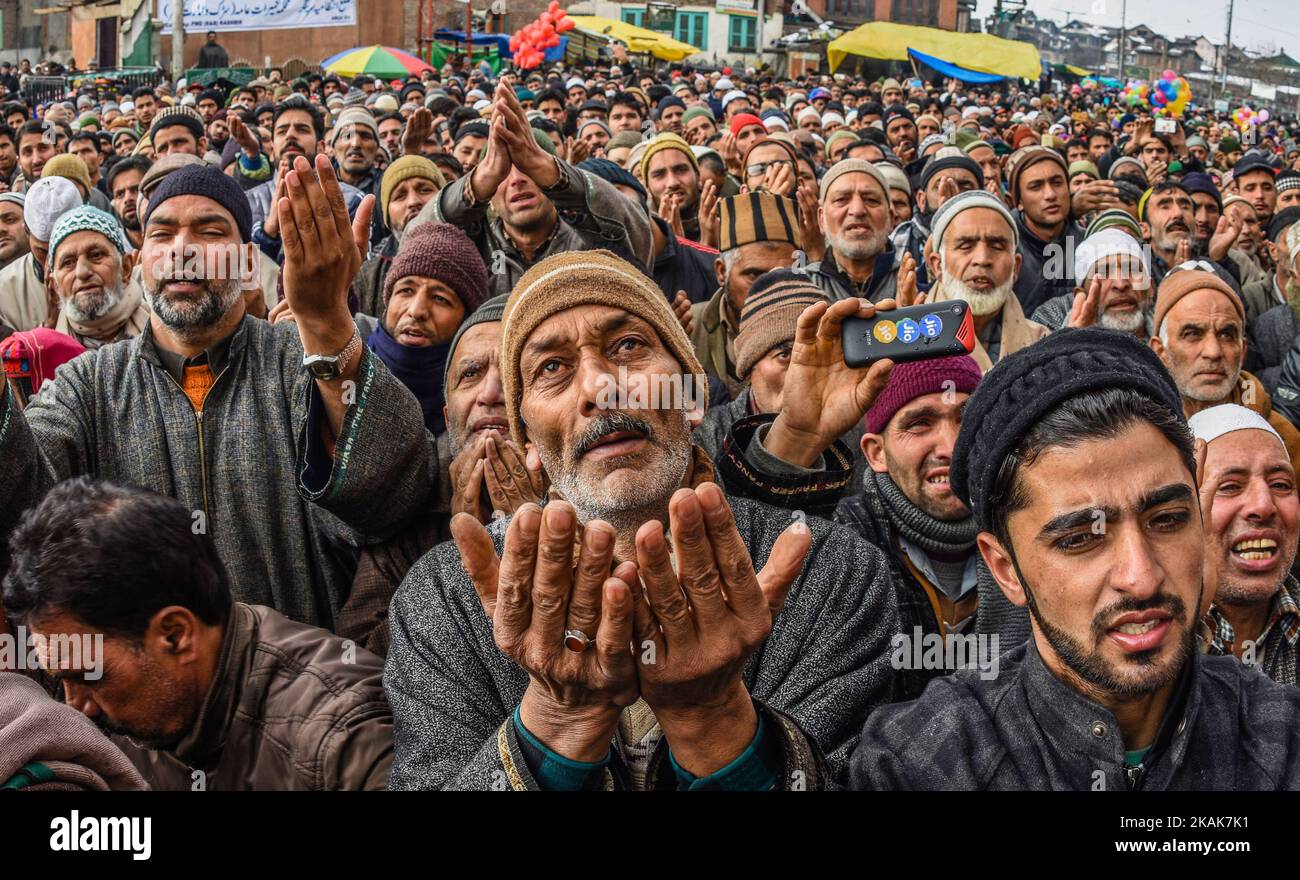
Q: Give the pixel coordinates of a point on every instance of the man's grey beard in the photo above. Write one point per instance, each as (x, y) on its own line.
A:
(1125, 322)
(859, 249)
(1220, 393)
(981, 302)
(85, 308)
(455, 439)
(624, 504)
(1164, 239)
(189, 320)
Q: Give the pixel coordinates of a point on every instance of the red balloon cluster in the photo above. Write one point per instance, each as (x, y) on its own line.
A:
(529, 44)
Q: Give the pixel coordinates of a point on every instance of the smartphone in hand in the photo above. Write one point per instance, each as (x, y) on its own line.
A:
(915, 333)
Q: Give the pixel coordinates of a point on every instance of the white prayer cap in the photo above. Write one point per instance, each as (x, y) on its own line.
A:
(1210, 424)
(47, 200)
(731, 96)
(1103, 244)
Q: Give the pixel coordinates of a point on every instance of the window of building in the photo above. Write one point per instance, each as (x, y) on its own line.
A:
(742, 31)
(634, 16)
(924, 12)
(693, 28)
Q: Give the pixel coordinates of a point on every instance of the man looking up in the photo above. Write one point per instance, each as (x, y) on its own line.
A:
(561, 673)
(527, 186)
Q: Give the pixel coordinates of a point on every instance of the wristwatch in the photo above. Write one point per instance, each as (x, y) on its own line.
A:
(328, 367)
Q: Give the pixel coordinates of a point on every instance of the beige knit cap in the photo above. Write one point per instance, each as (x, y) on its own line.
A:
(579, 278)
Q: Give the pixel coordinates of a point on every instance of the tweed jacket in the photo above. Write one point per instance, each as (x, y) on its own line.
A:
(824, 666)
(251, 465)
(1230, 728)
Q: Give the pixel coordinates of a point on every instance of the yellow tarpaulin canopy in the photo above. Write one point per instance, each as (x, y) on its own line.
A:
(982, 52)
(638, 39)
(1077, 71)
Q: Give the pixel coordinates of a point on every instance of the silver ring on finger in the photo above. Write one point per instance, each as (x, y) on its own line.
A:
(576, 640)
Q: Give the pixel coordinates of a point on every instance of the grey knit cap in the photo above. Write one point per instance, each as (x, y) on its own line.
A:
(491, 310)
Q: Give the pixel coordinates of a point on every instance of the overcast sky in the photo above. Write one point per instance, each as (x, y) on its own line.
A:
(1259, 25)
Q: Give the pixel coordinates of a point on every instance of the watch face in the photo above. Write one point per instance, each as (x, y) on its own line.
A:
(323, 368)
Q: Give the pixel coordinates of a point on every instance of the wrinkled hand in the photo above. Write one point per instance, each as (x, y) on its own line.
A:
(947, 189)
(323, 249)
(710, 216)
(533, 594)
(254, 302)
(281, 312)
(1141, 134)
(53, 305)
(271, 225)
(1086, 306)
(697, 625)
(814, 243)
(907, 292)
(670, 209)
(244, 136)
(493, 169)
(1224, 237)
(779, 180)
(517, 135)
(682, 309)
(824, 396)
(1156, 172)
(731, 157)
(578, 151)
(417, 131)
(511, 483)
(1182, 252)
(466, 473)
(1098, 195)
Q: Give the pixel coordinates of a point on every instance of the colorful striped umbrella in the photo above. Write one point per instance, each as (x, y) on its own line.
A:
(383, 62)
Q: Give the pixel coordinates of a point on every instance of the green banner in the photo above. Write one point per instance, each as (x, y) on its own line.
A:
(439, 52)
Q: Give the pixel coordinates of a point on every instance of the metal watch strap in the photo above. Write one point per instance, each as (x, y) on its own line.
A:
(351, 350)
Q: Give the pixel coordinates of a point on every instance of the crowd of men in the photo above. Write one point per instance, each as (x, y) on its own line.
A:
(336, 453)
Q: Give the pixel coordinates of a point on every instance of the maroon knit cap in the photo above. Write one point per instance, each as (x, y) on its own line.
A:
(442, 252)
(916, 379)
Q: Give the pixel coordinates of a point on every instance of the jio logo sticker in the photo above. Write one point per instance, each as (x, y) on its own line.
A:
(931, 326)
(885, 332)
(909, 331)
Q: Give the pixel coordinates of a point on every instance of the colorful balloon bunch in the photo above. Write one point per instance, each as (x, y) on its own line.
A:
(1246, 118)
(528, 45)
(1168, 96)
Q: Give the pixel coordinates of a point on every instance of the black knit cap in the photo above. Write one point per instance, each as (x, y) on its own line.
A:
(1028, 384)
(180, 115)
(1282, 221)
(206, 181)
(939, 163)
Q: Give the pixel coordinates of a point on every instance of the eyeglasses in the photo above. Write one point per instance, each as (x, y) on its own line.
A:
(758, 169)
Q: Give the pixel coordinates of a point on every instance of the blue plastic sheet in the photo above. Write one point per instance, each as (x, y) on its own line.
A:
(949, 69)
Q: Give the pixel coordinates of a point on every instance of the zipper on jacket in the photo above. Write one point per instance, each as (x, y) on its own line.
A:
(198, 421)
(1135, 775)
